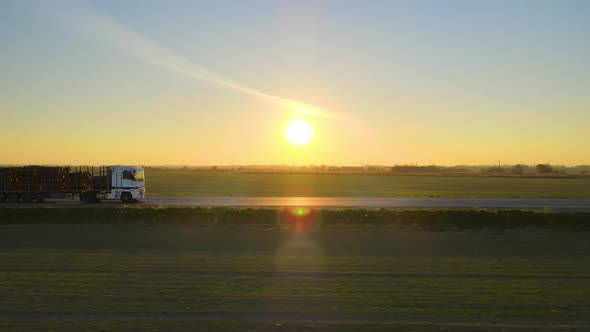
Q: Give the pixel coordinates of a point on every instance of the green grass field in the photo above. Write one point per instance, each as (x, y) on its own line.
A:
(142, 268)
(108, 277)
(205, 183)
(122, 291)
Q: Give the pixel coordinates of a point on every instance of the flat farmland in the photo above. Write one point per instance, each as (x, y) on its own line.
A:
(208, 183)
(101, 277)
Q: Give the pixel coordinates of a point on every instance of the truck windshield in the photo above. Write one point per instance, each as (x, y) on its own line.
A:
(138, 175)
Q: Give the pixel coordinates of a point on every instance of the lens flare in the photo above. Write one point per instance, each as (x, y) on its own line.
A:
(299, 218)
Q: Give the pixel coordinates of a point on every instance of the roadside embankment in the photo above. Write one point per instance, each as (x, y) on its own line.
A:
(305, 218)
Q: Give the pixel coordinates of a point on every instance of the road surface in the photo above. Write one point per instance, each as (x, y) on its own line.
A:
(551, 204)
(378, 202)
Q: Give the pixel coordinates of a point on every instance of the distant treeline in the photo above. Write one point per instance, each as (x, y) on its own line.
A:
(515, 170)
(509, 169)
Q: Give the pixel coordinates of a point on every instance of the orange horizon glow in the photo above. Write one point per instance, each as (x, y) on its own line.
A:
(97, 83)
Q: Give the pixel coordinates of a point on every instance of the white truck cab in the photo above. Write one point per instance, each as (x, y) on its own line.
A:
(127, 183)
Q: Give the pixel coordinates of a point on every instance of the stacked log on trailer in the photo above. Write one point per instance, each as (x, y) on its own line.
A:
(6, 183)
(37, 182)
(28, 178)
(53, 178)
(100, 182)
(87, 178)
(8, 179)
(33, 178)
(80, 180)
(44, 179)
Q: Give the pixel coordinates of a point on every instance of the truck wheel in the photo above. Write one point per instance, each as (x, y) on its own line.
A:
(3, 197)
(89, 197)
(27, 198)
(126, 198)
(13, 198)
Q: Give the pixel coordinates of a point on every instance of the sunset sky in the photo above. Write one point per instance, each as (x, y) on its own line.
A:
(217, 82)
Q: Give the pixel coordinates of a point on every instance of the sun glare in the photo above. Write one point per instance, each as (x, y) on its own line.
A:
(298, 132)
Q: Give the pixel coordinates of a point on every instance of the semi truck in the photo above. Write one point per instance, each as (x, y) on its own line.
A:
(88, 183)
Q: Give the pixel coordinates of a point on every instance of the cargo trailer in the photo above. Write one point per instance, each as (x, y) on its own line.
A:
(88, 183)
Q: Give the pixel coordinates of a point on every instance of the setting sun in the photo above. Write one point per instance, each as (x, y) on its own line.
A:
(298, 132)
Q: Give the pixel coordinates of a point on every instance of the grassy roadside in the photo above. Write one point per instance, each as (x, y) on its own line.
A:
(437, 220)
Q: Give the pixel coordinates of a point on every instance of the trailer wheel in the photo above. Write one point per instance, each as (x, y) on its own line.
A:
(27, 198)
(89, 197)
(13, 198)
(126, 197)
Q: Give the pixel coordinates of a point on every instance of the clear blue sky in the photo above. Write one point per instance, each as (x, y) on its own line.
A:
(446, 82)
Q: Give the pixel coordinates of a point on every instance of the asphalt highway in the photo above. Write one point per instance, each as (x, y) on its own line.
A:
(549, 204)
(554, 204)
